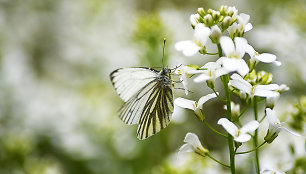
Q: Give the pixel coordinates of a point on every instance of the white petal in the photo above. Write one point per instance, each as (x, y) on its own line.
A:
(248, 27)
(227, 45)
(241, 44)
(238, 65)
(243, 68)
(266, 57)
(250, 50)
(201, 33)
(268, 87)
(277, 63)
(265, 93)
(188, 47)
(250, 126)
(290, 131)
(241, 84)
(185, 103)
(243, 18)
(271, 116)
(243, 138)
(230, 64)
(211, 65)
(221, 72)
(193, 140)
(186, 148)
(201, 78)
(228, 126)
(205, 98)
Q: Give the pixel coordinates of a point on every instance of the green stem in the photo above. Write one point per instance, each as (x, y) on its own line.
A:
(229, 116)
(242, 112)
(252, 149)
(225, 165)
(225, 80)
(255, 138)
(212, 53)
(210, 127)
(219, 97)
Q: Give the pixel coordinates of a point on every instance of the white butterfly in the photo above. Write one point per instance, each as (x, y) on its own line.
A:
(148, 98)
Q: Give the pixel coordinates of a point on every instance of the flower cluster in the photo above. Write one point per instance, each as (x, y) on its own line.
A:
(236, 68)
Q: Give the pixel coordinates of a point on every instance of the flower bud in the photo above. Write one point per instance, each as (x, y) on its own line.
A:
(270, 101)
(215, 34)
(264, 78)
(215, 15)
(225, 23)
(223, 10)
(208, 20)
(201, 12)
(210, 11)
(210, 84)
(200, 114)
(194, 19)
(271, 135)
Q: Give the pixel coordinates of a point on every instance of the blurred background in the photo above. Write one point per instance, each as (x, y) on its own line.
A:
(58, 110)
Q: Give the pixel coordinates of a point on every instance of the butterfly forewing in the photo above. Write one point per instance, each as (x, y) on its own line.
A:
(148, 97)
(128, 81)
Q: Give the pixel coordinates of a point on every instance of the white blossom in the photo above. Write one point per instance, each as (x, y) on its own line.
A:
(275, 126)
(185, 72)
(191, 47)
(192, 144)
(196, 106)
(256, 90)
(241, 26)
(264, 57)
(212, 71)
(234, 53)
(240, 135)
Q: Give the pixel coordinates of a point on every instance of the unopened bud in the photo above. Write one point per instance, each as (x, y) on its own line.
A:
(201, 12)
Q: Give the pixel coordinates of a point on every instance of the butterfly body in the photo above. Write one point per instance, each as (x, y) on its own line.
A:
(148, 98)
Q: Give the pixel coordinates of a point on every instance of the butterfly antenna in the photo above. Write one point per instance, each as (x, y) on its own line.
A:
(163, 52)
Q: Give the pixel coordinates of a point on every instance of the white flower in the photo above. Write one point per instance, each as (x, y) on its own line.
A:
(264, 57)
(234, 53)
(185, 72)
(188, 47)
(193, 144)
(212, 71)
(266, 171)
(270, 101)
(243, 22)
(240, 135)
(193, 105)
(275, 126)
(256, 90)
(241, 26)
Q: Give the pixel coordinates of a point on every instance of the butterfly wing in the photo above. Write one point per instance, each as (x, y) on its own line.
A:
(149, 102)
(128, 81)
(156, 112)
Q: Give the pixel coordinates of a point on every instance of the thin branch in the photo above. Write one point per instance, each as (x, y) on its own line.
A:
(213, 129)
(252, 149)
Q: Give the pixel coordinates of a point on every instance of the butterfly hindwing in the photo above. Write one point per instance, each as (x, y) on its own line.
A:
(156, 113)
(131, 111)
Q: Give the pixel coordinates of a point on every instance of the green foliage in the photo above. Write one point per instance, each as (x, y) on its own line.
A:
(149, 34)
